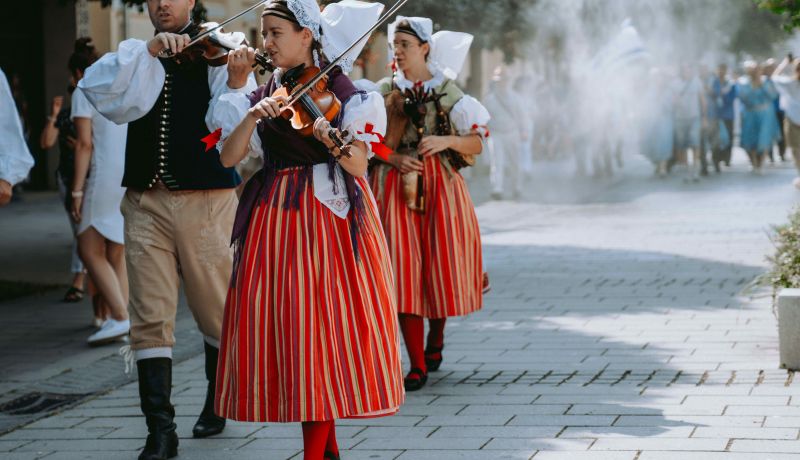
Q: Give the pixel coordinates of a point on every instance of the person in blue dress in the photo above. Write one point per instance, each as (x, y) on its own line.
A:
(760, 128)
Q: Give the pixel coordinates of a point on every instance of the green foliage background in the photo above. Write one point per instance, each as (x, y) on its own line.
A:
(788, 9)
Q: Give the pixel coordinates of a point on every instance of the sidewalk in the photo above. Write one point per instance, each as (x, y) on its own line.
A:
(617, 328)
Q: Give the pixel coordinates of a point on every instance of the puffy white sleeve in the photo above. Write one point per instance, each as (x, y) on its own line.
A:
(15, 158)
(125, 85)
(469, 116)
(226, 114)
(365, 118)
(218, 84)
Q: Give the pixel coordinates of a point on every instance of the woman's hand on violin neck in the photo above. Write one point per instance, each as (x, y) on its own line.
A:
(167, 41)
(322, 129)
(269, 107)
(240, 65)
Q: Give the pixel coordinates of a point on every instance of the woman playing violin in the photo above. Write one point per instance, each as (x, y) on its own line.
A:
(310, 329)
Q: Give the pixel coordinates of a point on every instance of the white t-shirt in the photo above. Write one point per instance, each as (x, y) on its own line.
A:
(789, 89)
(688, 94)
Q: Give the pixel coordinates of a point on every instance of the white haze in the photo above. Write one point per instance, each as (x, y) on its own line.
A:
(595, 73)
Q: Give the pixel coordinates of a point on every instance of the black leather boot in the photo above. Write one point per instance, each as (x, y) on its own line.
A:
(155, 387)
(209, 423)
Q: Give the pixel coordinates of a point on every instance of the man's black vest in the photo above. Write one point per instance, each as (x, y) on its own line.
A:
(167, 143)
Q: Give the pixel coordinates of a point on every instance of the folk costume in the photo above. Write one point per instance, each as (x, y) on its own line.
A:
(310, 331)
(430, 221)
(178, 209)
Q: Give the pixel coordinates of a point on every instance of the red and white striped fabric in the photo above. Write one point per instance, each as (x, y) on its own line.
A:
(436, 255)
(310, 330)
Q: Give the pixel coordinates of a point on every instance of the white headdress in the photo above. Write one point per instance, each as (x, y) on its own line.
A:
(423, 27)
(449, 49)
(338, 26)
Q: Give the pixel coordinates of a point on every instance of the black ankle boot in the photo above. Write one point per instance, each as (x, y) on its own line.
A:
(209, 423)
(155, 387)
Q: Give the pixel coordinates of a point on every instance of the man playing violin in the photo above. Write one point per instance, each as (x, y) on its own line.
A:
(180, 203)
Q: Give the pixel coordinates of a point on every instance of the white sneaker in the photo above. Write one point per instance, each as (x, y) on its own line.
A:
(110, 331)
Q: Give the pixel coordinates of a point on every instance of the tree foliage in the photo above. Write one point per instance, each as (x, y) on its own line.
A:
(498, 24)
(788, 9)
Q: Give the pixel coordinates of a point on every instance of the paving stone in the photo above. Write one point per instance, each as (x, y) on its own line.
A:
(565, 420)
(438, 443)
(465, 420)
(765, 446)
(82, 445)
(467, 455)
(656, 455)
(9, 445)
(628, 432)
(544, 455)
(635, 444)
(746, 433)
(539, 444)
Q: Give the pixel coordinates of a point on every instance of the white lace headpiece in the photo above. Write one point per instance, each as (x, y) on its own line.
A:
(338, 26)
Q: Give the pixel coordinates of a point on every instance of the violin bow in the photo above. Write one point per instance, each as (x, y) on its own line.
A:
(222, 24)
(295, 96)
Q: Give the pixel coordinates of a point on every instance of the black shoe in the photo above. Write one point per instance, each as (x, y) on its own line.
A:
(155, 387)
(209, 423)
(415, 379)
(331, 456)
(432, 363)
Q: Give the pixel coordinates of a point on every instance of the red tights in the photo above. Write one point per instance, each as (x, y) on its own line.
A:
(413, 328)
(318, 438)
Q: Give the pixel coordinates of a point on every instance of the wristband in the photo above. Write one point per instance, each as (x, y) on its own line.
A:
(77, 193)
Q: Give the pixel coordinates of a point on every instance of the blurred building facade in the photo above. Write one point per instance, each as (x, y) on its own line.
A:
(40, 34)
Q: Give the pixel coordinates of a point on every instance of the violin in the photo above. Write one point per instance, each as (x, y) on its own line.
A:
(213, 46)
(316, 102)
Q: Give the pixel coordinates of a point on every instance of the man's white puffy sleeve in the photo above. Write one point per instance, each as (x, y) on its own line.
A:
(125, 85)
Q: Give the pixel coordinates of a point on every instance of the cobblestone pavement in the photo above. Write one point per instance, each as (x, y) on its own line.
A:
(620, 327)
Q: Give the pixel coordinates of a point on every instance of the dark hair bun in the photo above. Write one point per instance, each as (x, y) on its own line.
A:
(84, 45)
(83, 56)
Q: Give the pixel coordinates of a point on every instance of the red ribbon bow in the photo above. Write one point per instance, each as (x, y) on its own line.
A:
(377, 147)
(212, 139)
(486, 130)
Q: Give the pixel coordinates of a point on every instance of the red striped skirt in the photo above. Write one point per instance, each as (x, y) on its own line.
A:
(436, 255)
(310, 329)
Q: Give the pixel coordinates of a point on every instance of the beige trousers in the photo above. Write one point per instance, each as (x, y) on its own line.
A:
(174, 236)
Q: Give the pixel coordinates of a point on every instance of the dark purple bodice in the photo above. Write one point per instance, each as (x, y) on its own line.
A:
(286, 148)
(283, 146)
